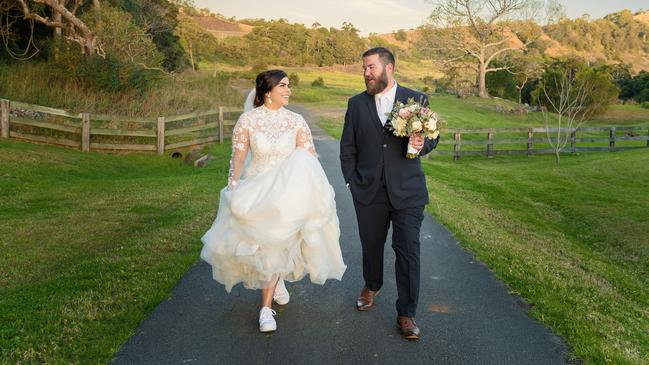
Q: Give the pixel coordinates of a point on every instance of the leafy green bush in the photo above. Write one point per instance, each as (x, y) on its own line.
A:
(645, 104)
(319, 82)
(593, 89)
(401, 35)
(295, 79)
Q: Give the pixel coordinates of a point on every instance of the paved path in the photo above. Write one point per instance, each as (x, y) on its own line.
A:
(466, 315)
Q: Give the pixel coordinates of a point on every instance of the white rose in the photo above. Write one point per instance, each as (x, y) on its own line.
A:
(432, 124)
(400, 125)
(433, 135)
(417, 126)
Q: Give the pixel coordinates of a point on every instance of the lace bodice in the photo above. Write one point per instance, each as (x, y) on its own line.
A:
(271, 136)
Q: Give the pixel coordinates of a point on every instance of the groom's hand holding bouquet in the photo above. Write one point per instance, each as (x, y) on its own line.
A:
(413, 120)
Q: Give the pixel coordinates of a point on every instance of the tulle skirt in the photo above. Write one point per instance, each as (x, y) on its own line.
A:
(280, 222)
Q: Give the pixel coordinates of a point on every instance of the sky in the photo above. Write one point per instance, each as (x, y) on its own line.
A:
(379, 16)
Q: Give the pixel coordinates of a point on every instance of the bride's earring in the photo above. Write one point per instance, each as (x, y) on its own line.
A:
(269, 101)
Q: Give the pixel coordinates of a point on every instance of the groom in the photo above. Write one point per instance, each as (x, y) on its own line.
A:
(386, 186)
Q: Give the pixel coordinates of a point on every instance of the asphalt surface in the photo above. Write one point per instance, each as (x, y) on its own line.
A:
(465, 314)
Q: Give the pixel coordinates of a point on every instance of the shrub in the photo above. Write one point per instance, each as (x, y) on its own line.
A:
(295, 79)
(401, 35)
(645, 104)
(599, 88)
(319, 82)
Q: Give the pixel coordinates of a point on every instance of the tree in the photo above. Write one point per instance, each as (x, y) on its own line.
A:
(401, 35)
(159, 19)
(571, 93)
(474, 33)
(526, 66)
(66, 19)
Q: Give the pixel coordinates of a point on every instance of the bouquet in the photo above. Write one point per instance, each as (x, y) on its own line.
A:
(412, 119)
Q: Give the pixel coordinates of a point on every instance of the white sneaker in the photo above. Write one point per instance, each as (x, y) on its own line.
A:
(266, 321)
(281, 295)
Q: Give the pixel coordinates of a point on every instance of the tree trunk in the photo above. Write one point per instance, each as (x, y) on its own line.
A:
(556, 155)
(520, 91)
(191, 57)
(58, 33)
(482, 81)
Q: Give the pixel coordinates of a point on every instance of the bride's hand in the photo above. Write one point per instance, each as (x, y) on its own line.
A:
(232, 185)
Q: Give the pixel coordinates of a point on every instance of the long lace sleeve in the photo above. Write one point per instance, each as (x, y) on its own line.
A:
(304, 138)
(240, 147)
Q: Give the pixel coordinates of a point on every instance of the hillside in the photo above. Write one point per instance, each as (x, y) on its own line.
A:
(637, 58)
(218, 26)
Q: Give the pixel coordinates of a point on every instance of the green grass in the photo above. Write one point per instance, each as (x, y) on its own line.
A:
(91, 243)
(571, 239)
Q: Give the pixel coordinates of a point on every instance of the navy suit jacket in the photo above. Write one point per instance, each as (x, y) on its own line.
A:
(371, 156)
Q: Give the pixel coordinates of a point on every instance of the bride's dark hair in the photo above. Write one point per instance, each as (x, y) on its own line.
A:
(265, 82)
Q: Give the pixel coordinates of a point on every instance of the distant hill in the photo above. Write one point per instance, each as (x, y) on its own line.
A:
(573, 37)
(637, 58)
(643, 17)
(218, 26)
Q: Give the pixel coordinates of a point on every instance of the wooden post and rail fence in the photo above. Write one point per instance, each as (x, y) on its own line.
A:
(530, 137)
(80, 130)
(218, 128)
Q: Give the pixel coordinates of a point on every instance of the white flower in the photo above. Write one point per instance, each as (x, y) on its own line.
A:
(400, 125)
(433, 135)
(432, 124)
(417, 126)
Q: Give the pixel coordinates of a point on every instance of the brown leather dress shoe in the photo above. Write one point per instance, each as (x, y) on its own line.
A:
(408, 328)
(366, 300)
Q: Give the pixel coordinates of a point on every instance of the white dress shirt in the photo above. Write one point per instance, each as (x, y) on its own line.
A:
(385, 102)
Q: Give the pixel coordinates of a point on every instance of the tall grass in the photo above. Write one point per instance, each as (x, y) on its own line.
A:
(38, 83)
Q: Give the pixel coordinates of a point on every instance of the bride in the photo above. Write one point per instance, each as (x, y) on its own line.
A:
(277, 217)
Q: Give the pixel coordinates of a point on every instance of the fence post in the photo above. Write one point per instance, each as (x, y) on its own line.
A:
(530, 141)
(647, 137)
(4, 104)
(611, 143)
(160, 128)
(456, 146)
(490, 143)
(221, 125)
(573, 141)
(85, 132)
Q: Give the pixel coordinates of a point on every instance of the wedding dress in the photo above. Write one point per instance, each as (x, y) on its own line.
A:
(280, 215)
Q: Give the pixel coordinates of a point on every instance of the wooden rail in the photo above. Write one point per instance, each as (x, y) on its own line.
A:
(79, 130)
(530, 137)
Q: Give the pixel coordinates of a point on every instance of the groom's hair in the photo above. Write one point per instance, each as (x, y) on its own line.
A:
(265, 82)
(385, 55)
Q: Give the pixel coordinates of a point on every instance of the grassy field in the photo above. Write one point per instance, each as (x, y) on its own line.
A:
(91, 243)
(571, 239)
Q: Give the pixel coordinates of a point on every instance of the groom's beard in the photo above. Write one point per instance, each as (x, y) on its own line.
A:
(379, 84)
